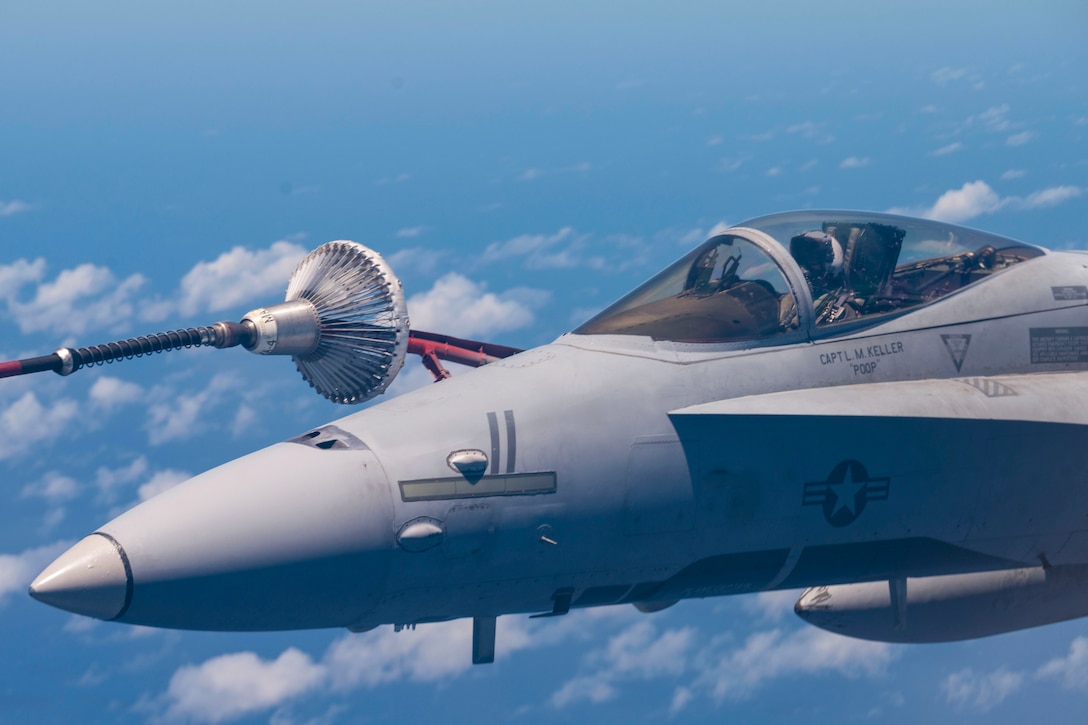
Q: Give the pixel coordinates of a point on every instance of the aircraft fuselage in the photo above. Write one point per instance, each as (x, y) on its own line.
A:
(583, 481)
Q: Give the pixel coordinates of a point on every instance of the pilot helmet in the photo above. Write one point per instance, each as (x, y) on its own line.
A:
(820, 256)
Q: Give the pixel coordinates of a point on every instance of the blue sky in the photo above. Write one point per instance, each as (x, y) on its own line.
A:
(520, 166)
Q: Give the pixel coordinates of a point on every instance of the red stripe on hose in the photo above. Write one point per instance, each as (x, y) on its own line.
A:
(10, 369)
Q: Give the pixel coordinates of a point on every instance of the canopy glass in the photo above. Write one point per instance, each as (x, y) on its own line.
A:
(749, 282)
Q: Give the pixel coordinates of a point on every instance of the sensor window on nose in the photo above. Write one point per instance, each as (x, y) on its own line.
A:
(330, 438)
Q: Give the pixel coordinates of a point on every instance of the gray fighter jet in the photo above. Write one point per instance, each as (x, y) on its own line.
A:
(891, 412)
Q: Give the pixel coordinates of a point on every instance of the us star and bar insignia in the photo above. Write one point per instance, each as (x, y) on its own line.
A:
(844, 494)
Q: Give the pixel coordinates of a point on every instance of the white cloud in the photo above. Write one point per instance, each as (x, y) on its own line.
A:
(716, 667)
(162, 481)
(945, 75)
(625, 252)
(637, 653)
(981, 692)
(7, 208)
(53, 517)
(524, 245)
(109, 480)
(854, 162)
(244, 419)
(1071, 670)
(237, 684)
(698, 235)
(541, 251)
(680, 698)
(108, 392)
(640, 651)
(241, 683)
(977, 198)
(567, 249)
(18, 570)
(422, 260)
(1019, 139)
(78, 624)
(808, 129)
(27, 422)
(79, 299)
(771, 606)
(1012, 174)
(1047, 197)
(734, 674)
(179, 418)
(730, 164)
(589, 689)
(456, 305)
(717, 229)
(20, 272)
(409, 232)
(715, 140)
(994, 118)
(811, 130)
(238, 277)
(175, 420)
(429, 654)
(54, 487)
(967, 202)
(532, 174)
(774, 171)
(93, 676)
(948, 149)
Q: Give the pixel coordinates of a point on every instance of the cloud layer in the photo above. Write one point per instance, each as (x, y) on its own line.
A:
(977, 198)
(458, 306)
(694, 663)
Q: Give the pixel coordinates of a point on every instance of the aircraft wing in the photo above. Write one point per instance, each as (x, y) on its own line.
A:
(950, 459)
(961, 461)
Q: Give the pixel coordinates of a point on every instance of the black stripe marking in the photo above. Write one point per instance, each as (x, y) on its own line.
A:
(493, 425)
(511, 441)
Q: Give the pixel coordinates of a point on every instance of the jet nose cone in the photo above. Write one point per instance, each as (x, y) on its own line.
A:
(92, 578)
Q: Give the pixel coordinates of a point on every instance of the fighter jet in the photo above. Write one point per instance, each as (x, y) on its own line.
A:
(890, 412)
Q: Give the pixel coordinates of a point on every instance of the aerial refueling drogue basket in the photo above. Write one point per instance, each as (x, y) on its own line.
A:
(344, 323)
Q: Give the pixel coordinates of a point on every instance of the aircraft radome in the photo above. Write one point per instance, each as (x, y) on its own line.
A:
(891, 412)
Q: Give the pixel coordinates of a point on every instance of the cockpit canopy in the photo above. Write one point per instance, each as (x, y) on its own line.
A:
(754, 281)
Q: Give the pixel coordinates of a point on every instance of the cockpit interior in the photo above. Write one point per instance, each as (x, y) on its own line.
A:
(752, 281)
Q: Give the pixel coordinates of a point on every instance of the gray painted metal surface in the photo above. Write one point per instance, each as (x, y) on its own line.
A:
(912, 442)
